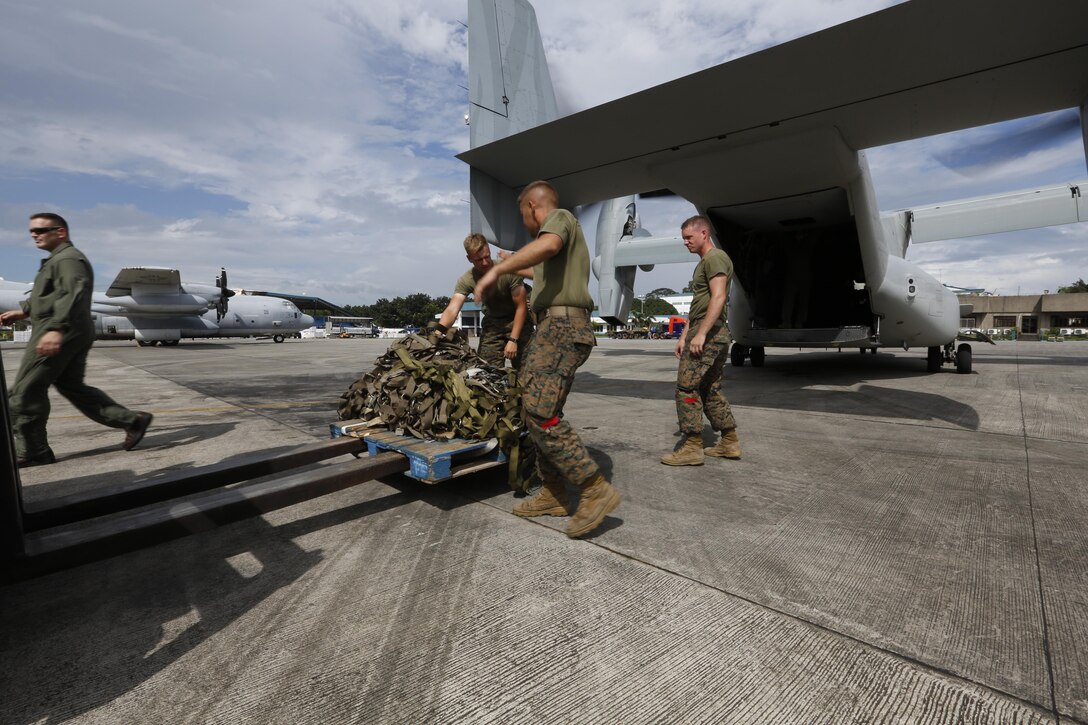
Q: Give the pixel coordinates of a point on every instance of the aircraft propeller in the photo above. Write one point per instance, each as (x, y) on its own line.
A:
(996, 147)
(224, 293)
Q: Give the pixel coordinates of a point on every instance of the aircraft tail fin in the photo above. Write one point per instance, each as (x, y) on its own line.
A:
(510, 90)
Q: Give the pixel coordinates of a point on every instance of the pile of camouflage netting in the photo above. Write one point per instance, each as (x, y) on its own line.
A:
(439, 388)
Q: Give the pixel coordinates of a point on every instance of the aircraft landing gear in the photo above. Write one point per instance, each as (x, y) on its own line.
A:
(757, 355)
(145, 343)
(934, 360)
(277, 338)
(737, 353)
(170, 343)
(960, 357)
(963, 359)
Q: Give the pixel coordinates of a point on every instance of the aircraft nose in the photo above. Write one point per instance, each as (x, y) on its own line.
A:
(308, 320)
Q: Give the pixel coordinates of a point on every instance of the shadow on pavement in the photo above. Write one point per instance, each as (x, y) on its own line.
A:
(866, 400)
(78, 639)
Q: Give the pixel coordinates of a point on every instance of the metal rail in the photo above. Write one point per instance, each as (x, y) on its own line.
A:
(11, 497)
(82, 541)
(80, 506)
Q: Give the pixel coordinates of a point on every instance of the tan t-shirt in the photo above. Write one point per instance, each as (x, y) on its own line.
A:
(715, 262)
(564, 278)
(499, 306)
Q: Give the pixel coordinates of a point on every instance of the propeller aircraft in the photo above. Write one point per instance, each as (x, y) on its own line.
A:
(152, 306)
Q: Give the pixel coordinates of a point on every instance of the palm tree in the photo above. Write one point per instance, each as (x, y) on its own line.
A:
(640, 318)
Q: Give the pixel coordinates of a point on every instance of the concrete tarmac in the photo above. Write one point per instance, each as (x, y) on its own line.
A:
(893, 546)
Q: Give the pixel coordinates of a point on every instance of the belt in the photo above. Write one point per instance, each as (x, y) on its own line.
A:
(563, 311)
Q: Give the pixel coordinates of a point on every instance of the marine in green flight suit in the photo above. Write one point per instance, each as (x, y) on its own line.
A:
(59, 309)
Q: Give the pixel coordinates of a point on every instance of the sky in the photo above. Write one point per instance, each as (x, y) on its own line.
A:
(308, 146)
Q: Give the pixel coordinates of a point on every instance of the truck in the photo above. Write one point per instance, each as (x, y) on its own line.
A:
(346, 331)
(677, 325)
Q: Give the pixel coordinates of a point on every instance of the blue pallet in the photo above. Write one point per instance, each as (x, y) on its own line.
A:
(433, 461)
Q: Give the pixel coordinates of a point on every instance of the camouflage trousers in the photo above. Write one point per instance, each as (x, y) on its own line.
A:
(559, 347)
(699, 384)
(493, 343)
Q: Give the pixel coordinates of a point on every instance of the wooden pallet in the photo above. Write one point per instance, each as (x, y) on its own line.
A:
(356, 428)
(430, 461)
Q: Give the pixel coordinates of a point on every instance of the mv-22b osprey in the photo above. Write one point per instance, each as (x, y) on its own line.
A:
(770, 148)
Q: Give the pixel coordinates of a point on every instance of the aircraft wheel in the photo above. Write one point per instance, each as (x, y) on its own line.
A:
(145, 343)
(963, 359)
(277, 338)
(170, 343)
(737, 353)
(757, 355)
(933, 360)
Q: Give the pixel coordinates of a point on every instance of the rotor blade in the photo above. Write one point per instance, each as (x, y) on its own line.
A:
(1001, 146)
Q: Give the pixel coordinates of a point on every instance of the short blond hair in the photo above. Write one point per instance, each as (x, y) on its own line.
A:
(698, 221)
(474, 243)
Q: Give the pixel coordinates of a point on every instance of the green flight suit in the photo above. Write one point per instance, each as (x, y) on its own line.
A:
(60, 300)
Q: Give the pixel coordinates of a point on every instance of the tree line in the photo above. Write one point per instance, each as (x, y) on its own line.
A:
(416, 310)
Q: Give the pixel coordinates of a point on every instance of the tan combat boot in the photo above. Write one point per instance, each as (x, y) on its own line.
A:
(550, 500)
(598, 498)
(727, 447)
(689, 454)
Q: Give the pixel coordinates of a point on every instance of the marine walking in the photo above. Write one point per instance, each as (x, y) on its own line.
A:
(59, 308)
(702, 352)
(563, 341)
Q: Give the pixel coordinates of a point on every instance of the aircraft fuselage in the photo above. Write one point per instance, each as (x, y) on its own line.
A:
(245, 317)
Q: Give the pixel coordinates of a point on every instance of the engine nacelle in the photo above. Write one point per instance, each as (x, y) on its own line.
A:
(623, 247)
(618, 219)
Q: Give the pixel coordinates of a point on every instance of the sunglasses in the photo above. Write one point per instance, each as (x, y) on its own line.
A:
(44, 230)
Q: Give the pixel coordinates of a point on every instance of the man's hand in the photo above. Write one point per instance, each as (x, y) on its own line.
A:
(12, 316)
(50, 343)
(511, 350)
(486, 284)
(698, 342)
(679, 346)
